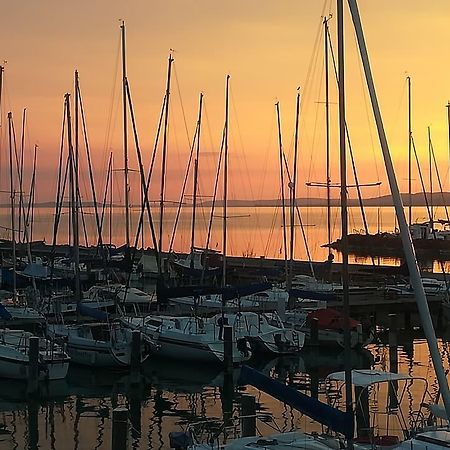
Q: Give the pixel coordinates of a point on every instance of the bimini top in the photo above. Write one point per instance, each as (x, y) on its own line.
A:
(367, 377)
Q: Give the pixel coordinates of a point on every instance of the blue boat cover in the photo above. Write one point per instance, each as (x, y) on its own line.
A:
(312, 295)
(4, 313)
(92, 312)
(339, 421)
(228, 292)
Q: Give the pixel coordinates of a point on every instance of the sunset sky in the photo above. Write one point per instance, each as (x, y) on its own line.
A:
(267, 47)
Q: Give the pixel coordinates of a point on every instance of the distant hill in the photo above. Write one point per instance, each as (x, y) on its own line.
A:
(417, 199)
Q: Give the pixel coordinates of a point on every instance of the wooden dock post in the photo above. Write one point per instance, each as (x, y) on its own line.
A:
(393, 331)
(135, 355)
(226, 396)
(228, 347)
(314, 331)
(33, 423)
(248, 413)
(33, 368)
(119, 428)
(281, 307)
(393, 360)
(407, 322)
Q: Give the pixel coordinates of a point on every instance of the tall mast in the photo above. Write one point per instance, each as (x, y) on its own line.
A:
(164, 157)
(408, 248)
(2, 69)
(448, 126)
(430, 165)
(344, 213)
(111, 174)
(12, 195)
(408, 79)
(194, 199)
(73, 177)
(20, 173)
(225, 185)
(125, 137)
(327, 122)
(283, 212)
(30, 222)
(294, 193)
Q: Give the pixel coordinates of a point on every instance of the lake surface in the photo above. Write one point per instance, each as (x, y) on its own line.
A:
(76, 413)
(251, 231)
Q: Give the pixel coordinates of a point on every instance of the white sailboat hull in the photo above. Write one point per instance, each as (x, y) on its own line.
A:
(192, 350)
(18, 369)
(91, 352)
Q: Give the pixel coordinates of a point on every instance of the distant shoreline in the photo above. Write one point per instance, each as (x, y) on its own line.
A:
(418, 200)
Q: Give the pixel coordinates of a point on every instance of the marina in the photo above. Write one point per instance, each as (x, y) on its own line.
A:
(178, 288)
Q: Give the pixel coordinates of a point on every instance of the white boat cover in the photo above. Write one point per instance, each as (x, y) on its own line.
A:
(367, 377)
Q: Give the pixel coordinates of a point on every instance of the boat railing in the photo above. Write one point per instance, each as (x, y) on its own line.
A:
(211, 430)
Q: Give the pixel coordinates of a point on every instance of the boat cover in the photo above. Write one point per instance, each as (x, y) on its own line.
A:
(367, 377)
(92, 312)
(4, 313)
(339, 421)
(331, 319)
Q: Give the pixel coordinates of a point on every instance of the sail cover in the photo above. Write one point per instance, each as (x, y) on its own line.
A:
(92, 312)
(339, 421)
(4, 313)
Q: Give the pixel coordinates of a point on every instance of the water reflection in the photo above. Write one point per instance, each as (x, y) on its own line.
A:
(76, 413)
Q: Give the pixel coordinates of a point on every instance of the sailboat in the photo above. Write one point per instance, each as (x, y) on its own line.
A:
(100, 344)
(15, 362)
(198, 264)
(103, 343)
(189, 338)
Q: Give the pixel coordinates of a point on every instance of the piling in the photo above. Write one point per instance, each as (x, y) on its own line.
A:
(362, 412)
(135, 355)
(393, 341)
(228, 347)
(119, 428)
(33, 423)
(393, 360)
(281, 307)
(248, 415)
(134, 400)
(314, 382)
(226, 396)
(407, 322)
(33, 368)
(314, 331)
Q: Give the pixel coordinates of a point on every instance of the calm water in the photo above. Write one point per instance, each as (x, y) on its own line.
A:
(251, 231)
(76, 413)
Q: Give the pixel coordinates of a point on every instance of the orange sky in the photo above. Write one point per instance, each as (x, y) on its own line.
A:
(267, 47)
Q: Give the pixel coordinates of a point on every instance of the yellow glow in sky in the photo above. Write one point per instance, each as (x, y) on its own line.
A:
(267, 47)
